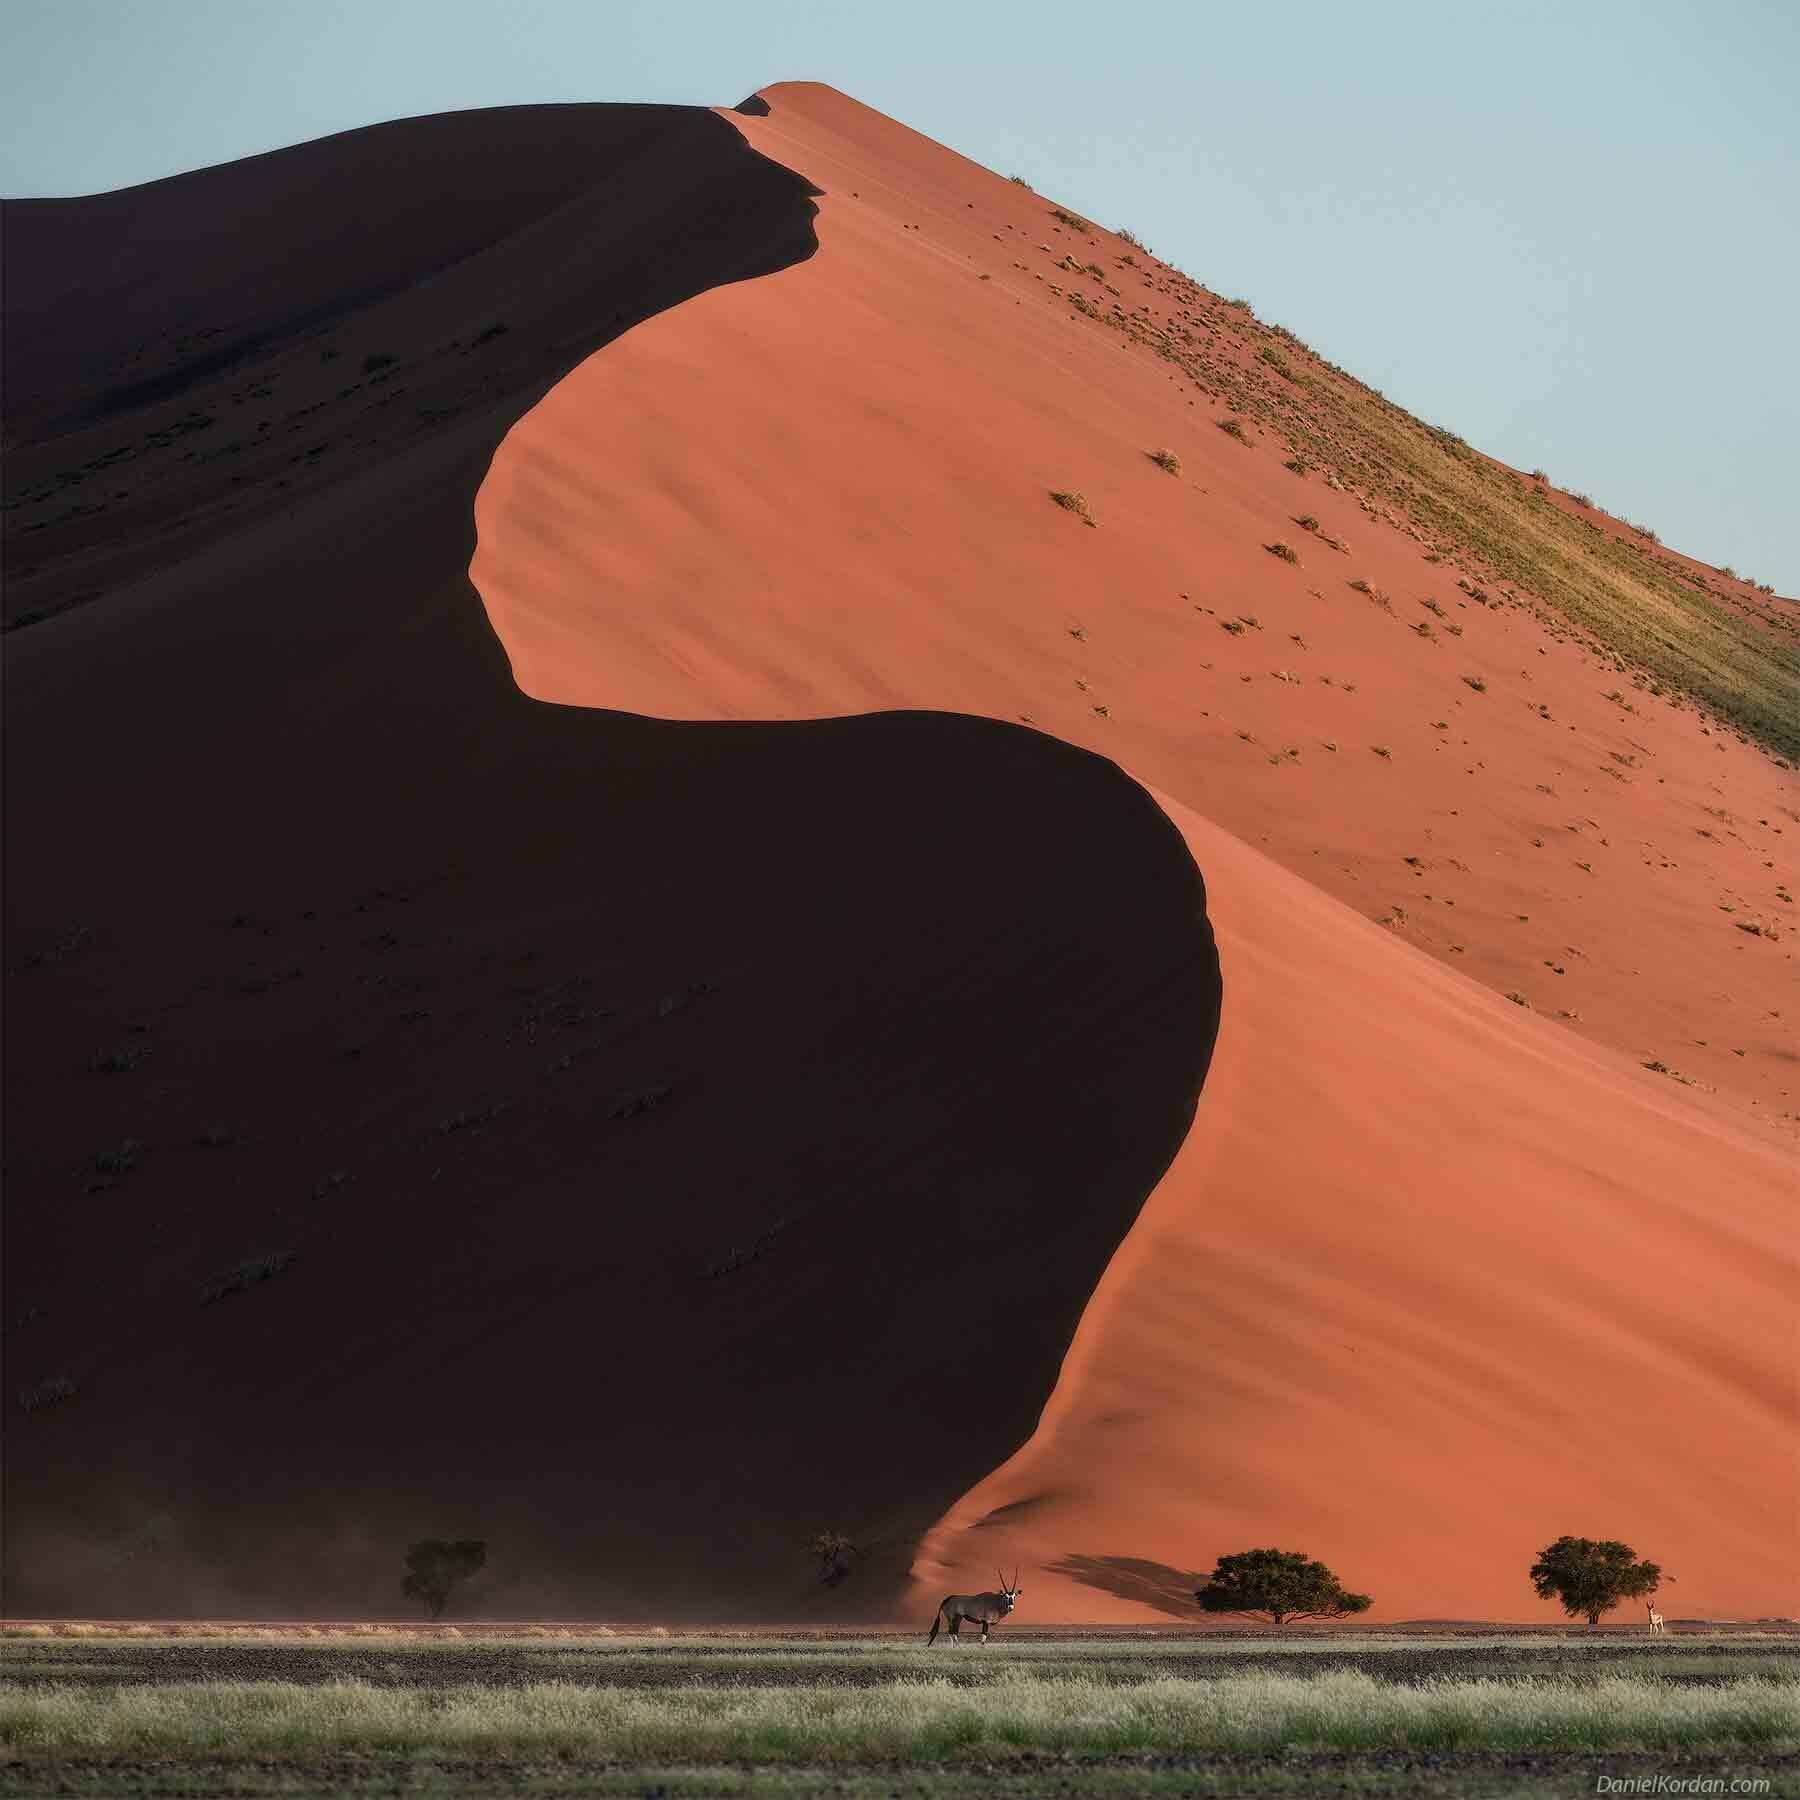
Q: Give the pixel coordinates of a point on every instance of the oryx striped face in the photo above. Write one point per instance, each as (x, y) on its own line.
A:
(1009, 1590)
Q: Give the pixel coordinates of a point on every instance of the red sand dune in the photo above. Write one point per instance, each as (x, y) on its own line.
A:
(1433, 1281)
(662, 1121)
(1427, 1286)
(833, 497)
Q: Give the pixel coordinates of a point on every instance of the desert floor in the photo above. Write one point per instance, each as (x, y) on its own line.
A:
(542, 1709)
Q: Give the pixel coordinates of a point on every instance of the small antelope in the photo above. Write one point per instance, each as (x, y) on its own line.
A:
(1657, 1627)
(979, 1609)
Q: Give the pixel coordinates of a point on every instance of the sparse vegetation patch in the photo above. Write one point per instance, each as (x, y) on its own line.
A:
(52, 1392)
(120, 1161)
(251, 1272)
(1556, 563)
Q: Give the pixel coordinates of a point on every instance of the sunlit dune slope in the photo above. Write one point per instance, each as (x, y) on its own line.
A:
(832, 495)
(1427, 1287)
(1434, 1280)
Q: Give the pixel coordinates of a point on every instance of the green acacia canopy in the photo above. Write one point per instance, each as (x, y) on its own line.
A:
(1278, 1585)
(1590, 1576)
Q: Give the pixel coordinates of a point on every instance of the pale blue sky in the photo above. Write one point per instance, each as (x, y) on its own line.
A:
(1569, 231)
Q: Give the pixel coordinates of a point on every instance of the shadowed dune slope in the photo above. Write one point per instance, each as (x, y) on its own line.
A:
(434, 1112)
(1437, 1277)
(188, 360)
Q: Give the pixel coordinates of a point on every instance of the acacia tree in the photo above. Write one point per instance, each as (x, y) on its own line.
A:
(835, 1553)
(1277, 1585)
(436, 1565)
(1591, 1576)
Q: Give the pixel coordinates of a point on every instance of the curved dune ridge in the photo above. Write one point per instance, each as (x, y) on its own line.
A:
(434, 1112)
(1434, 1280)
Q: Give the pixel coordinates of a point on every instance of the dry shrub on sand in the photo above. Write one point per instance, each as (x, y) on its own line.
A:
(1074, 502)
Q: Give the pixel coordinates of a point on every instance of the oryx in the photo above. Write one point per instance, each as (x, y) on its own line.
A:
(979, 1609)
(1657, 1627)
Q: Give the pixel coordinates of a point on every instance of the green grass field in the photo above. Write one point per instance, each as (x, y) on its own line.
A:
(1152, 1713)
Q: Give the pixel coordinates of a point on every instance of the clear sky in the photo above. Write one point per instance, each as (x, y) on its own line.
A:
(1567, 229)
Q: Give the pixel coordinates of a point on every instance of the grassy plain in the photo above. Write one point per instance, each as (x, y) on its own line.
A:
(268, 1713)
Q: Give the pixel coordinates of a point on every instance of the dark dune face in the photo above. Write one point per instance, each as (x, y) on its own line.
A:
(184, 359)
(640, 1145)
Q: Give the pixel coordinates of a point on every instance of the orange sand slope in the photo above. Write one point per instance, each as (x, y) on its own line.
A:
(1433, 1280)
(1427, 1286)
(833, 496)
